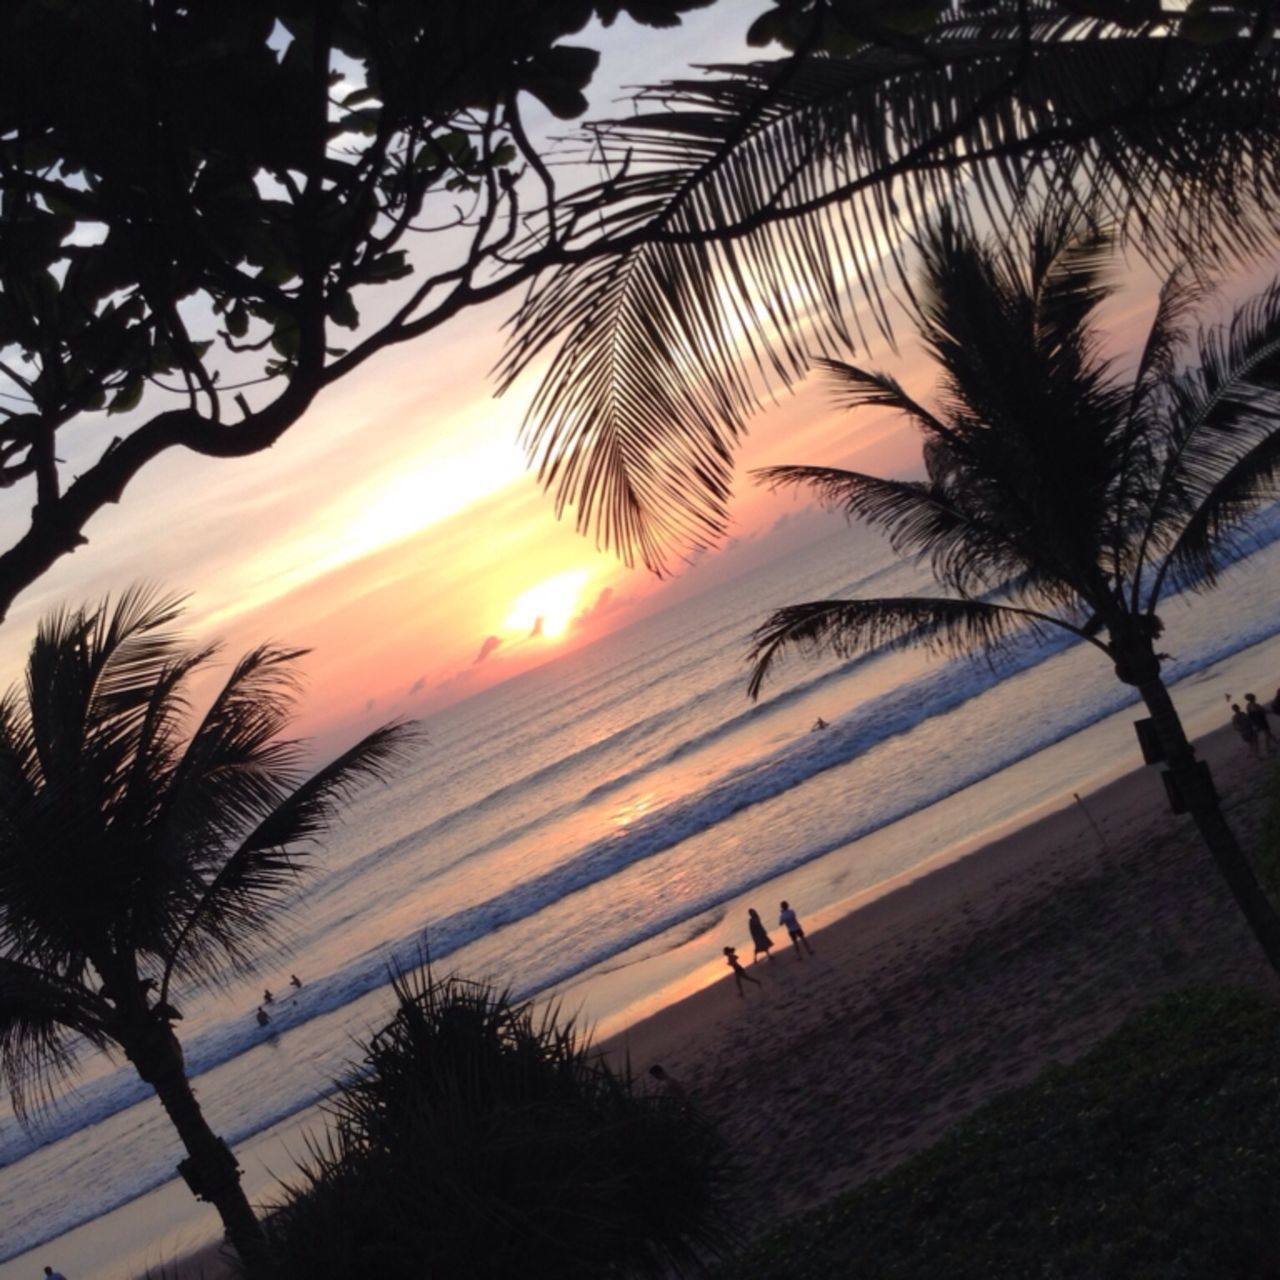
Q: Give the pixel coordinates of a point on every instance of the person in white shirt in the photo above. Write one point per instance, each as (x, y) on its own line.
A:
(787, 919)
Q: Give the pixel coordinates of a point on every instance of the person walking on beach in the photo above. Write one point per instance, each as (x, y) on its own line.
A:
(788, 920)
(51, 1274)
(294, 981)
(740, 975)
(263, 1016)
(1241, 723)
(1257, 714)
(759, 938)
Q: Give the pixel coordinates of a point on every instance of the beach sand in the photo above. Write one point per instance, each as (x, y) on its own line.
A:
(965, 980)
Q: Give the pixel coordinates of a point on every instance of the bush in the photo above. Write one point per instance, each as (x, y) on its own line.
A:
(1153, 1156)
(479, 1140)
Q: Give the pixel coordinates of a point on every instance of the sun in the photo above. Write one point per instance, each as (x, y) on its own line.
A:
(548, 608)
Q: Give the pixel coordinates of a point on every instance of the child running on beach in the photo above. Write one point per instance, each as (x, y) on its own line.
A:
(788, 920)
(740, 975)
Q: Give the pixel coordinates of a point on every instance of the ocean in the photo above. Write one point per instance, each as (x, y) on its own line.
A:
(597, 827)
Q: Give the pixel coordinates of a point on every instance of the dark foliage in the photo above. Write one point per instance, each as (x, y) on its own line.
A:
(768, 210)
(198, 202)
(1150, 1159)
(141, 853)
(1057, 493)
(481, 1140)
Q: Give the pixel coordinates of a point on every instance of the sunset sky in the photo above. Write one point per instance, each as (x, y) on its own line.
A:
(396, 530)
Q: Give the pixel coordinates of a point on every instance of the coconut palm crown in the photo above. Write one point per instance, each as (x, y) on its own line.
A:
(141, 855)
(1059, 492)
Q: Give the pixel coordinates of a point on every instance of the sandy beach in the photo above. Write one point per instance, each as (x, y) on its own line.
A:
(966, 979)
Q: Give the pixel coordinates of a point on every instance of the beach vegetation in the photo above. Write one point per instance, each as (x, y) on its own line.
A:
(481, 1139)
(1061, 494)
(142, 853)
(1151, 1158)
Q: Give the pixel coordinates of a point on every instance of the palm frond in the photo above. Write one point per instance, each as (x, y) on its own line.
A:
(1221, 414)
(1221, 519)
(1072, 261)
(1169, 333)
(234, 913)
(847, 627)
(853, 387)
(738, 222)
(236, 765)
(968, 554)
(41, 1018)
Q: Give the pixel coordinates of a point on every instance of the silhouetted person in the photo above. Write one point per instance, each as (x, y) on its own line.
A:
(787, 919)
(268, 998)
(740, 975)
(1257, 714)
(669, 1083)
(294, 980)
(51, 1274)
(263, 1016)
(1241, 723)
(819, 723)
(759, 938)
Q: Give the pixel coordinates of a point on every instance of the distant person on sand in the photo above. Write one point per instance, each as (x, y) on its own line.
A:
(819, 723)
(787, 919)
(263, 1016)
(759, 938)
(51, 1274)
(740, 975)
(1241, 723)
(1257, 714)
(295, 981)
(267, 997)
(669, 1083)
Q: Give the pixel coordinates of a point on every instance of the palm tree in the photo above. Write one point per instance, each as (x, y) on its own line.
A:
(1060, 494)
(765, 211)
(137, 853)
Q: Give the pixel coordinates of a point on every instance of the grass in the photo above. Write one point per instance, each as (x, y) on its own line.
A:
(1153, 1156)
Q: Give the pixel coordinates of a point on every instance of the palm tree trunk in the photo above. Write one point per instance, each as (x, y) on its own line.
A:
(213, 1173)
(1202, 804)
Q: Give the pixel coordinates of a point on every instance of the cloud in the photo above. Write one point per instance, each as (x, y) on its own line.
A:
(490, 644)
(417, 686)
(606, 602)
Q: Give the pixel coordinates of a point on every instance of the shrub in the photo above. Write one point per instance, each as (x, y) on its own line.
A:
(479, 1139)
